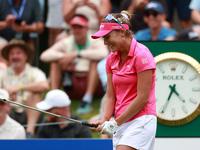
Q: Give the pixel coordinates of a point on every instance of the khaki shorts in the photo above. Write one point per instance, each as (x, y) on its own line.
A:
(138, 133)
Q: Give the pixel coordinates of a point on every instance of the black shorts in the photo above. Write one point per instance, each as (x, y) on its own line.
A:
(182, 7)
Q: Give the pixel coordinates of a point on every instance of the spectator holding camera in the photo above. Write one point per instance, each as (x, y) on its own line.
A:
(18, 18)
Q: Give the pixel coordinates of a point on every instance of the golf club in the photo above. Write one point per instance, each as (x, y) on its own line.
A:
(73, 120)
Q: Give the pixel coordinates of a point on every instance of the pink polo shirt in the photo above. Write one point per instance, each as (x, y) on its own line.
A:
(125, 80)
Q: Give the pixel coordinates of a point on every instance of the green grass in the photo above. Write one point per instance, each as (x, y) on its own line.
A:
(95, 105)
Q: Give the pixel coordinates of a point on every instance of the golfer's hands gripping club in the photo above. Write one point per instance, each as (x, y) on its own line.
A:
(105, 127)
(90, 125)
(109, 127)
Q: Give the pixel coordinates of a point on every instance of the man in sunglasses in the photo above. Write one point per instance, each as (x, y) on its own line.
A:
(153, 16)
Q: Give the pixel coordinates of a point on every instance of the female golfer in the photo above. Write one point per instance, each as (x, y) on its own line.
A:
(130, 94)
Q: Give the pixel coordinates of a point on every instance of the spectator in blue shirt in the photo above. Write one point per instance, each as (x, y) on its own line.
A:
(195, 10)
(153, 16)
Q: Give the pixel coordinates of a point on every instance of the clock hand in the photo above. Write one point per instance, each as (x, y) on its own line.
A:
(179, 96)
(166, 103)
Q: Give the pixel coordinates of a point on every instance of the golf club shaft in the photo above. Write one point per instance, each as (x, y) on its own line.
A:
(73, 120)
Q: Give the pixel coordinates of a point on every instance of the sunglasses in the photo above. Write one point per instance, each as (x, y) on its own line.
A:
(153, 13)
(110, 17)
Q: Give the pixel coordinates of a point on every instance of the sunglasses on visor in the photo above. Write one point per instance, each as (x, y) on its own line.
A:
(110, 17)
(153, 13)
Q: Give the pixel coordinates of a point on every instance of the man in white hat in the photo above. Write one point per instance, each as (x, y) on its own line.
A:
(23, 82)
(58, 102)
(9, 128)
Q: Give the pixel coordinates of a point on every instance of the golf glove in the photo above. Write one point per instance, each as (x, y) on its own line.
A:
(110, 127)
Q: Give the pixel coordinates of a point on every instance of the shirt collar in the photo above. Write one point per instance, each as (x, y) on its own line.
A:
(11, 70)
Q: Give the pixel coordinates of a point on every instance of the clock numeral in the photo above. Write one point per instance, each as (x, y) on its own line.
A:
(184, 109)
(161, 109)
(193, 101)
(195, 89)
(173, 112)
(184, 69)
(193, 77)
(161, 69)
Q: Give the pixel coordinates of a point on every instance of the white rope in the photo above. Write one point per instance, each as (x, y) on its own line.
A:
(49, 123)
(45, 124)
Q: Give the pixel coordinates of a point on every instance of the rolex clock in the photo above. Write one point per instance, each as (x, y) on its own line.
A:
(177, 88)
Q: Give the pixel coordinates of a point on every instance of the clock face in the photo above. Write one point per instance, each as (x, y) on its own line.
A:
(177, 88)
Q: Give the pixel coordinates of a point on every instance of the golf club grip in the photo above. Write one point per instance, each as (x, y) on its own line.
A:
(90, 125)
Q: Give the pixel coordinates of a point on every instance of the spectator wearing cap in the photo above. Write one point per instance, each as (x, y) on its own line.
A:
(9, 128)
(76, 57)
(154, 16)
(137, 7)
(188, 35)
(24, 83)
(94, 10)
(58, 102)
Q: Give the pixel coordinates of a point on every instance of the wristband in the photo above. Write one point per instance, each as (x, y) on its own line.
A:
(22, 92)
(21, 87)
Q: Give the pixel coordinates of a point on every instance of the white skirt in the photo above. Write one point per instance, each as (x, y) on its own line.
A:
(138, 133)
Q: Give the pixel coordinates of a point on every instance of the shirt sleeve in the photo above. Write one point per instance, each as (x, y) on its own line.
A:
(38, 75)
(143, 35)
(21, 134)
(108, 63)
(195, 4)
(144, 60)
(138, 35)
(97, 51)
(55, 52)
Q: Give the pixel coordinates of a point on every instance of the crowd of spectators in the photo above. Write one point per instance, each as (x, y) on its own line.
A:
(75, 60)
